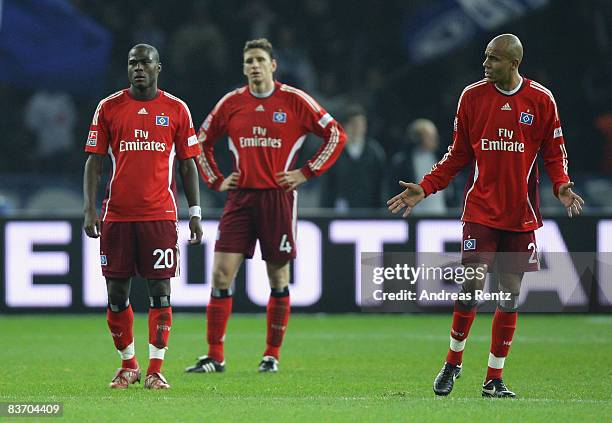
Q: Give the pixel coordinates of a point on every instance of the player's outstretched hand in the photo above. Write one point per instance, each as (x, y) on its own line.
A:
(290, 180)
(231, 182)
(410, 197)
(91, 224)
(196, 230)
(573, 202)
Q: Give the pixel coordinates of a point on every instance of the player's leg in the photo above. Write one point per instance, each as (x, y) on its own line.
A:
(120, 319)
(464, 313)
(117, 261)
(518, 254)
(278, 248)
(478, 252)
(504, 324)
(277, 311)
(218, 311)
(158, 261)
(160, 324)
(236, 240)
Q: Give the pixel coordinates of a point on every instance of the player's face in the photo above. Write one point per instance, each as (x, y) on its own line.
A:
(258, 67)
(143, 68)
(497, 66)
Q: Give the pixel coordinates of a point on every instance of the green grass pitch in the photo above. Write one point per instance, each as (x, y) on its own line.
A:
(350, 368)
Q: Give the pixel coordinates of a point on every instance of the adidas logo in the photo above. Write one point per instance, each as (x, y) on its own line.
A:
(506, 107)
(143, 111)
(260, 108)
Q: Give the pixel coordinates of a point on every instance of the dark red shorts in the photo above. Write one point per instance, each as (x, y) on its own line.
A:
(147, 248)
(505, 251)
(269, 216)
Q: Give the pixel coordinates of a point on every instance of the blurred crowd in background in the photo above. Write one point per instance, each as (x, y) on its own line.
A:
(357, 58)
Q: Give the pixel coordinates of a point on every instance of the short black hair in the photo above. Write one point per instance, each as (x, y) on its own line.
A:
(148, 47)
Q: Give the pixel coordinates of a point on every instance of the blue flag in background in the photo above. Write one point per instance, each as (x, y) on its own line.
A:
(444, 25)
(50, 44)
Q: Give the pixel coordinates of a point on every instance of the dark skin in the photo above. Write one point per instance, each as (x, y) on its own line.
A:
(143, 71)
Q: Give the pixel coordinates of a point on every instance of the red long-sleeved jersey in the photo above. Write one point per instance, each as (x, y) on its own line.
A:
(501, 135)
(264, 135)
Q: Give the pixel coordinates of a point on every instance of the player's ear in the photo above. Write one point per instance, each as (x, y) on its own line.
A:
(273, 65)
(159, 67)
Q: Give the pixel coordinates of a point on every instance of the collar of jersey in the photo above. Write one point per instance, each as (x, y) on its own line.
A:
(512, 91)
(263, 95)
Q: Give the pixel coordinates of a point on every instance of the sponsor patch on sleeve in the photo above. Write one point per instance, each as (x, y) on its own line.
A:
(324, 121)
(558, 133)
(192, 140)
(92, 138)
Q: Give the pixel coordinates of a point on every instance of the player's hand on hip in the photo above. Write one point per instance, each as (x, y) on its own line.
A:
(573, 202)
(231, 182)
(91, 224)
(410, 197)
(290, 180)
(196, 230)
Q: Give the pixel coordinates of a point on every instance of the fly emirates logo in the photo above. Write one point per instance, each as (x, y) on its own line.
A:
(259, 139)
(141, 145)
(502, 144)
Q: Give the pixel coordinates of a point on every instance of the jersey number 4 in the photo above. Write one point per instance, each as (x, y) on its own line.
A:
(285, 245)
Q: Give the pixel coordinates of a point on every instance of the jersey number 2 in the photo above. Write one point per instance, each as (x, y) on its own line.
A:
(534, 252)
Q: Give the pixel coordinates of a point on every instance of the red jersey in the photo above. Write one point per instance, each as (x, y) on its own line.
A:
(142, 139)
(501, 135)
(264, 135)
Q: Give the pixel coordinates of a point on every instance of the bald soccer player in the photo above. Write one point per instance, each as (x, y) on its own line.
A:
(503, 121)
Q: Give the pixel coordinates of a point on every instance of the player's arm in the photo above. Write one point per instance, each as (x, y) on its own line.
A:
(459, 155)
(189, 175)
(96, 146)
(91, 180)
(212, 129)
(316, 120)
(555, 162)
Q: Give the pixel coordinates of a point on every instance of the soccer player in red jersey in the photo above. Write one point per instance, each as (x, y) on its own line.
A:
(503, 121)
(142, 129)
(266, 123)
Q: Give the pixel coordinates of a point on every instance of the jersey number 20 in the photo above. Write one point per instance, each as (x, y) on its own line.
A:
(165, 259)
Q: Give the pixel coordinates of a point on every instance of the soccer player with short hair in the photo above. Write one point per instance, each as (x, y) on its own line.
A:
(266, 123)
(503, 121)
(142, 129)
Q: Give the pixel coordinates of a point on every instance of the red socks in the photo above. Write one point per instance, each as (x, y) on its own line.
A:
(278, 311)
(217, 315)
(504, 324)
(160, 323)
(121, 325)
(463, 317)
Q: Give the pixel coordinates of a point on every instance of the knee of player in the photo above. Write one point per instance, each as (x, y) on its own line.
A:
(222, 278)
(159, 287)
(279, 283)
(508, 302)
(118, 290)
